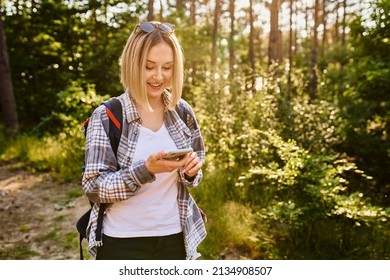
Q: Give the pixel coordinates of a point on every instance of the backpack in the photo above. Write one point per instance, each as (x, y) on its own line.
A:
(114, 113)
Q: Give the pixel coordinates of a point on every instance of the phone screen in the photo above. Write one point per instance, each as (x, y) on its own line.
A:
(177, 153)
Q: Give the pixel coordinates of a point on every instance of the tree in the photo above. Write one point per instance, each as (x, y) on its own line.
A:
(151, 10)
(217, 12)
(314, 52)
(275, 33)
(193, 12)
(231, 36)
(365, 103)
(55, 44)
(8, 104)
(344, 33)
(290, 48)
(251, 39)
(324, 22)
(336, 36)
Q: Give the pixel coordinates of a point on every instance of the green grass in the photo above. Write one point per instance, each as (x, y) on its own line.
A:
(62, 155)
(24, 228)
(230, 223)
(18, 252)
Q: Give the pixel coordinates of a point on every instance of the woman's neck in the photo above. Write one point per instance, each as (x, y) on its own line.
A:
(156, 103)
(152, 119)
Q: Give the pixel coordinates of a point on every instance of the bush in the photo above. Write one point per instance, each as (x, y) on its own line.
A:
(298, 195)
(75, 104)
(57, 144)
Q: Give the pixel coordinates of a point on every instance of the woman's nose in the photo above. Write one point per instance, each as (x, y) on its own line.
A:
(158, 74)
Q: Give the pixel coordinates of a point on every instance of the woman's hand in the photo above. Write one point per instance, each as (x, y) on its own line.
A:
(190, 164)
(157, 164)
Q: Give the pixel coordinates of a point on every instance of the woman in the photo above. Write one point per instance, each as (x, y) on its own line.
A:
(151, 214)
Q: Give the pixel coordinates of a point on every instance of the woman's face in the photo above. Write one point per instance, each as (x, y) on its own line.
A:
(159, 69)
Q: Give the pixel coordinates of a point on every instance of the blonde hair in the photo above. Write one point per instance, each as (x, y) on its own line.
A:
(133, 64)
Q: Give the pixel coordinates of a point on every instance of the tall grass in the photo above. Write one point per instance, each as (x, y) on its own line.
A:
(231, 222)
(62, 155)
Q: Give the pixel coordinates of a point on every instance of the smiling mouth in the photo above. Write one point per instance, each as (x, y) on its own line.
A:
(157, 85)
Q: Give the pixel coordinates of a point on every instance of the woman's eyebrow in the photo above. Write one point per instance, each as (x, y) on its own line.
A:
(151, 61)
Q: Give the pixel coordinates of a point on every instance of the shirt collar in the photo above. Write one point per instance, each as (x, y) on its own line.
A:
(132, 113)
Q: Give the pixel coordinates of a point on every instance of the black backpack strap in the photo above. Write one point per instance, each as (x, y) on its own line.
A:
(115, 116)
(114, 113)
(99, 227)
(182, 111)
(81, 247)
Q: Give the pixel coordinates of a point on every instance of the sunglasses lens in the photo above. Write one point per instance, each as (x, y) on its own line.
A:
(167, 27)
(147, 27)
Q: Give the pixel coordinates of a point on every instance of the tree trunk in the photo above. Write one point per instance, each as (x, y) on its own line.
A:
(325, 24)
(336, 38)
(193, 12)
(215, 36)
(161, 12)
(290, 49)
(251, 38)
(250, 84)
(151, 10)
(314, 53)
(8, 104)
(344, 34)
(231, 37)
(274, 36)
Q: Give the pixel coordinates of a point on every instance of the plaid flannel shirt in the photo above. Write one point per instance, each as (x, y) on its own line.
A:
(104, 183)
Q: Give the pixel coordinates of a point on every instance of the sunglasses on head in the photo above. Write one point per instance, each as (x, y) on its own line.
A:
(151, 26)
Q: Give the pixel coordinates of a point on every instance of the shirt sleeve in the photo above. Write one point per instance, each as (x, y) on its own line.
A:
(102, 181)
(197, 145)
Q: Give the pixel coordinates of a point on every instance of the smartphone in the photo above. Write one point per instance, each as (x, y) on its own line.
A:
(177, 153)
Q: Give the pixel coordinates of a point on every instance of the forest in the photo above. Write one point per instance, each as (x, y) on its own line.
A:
(292, 98)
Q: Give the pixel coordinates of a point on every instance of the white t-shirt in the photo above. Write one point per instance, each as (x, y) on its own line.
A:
(153, 210)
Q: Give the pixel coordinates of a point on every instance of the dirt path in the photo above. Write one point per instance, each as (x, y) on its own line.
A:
(38, 215)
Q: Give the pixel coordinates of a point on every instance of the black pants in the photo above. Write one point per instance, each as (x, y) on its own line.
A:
(169, 247)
